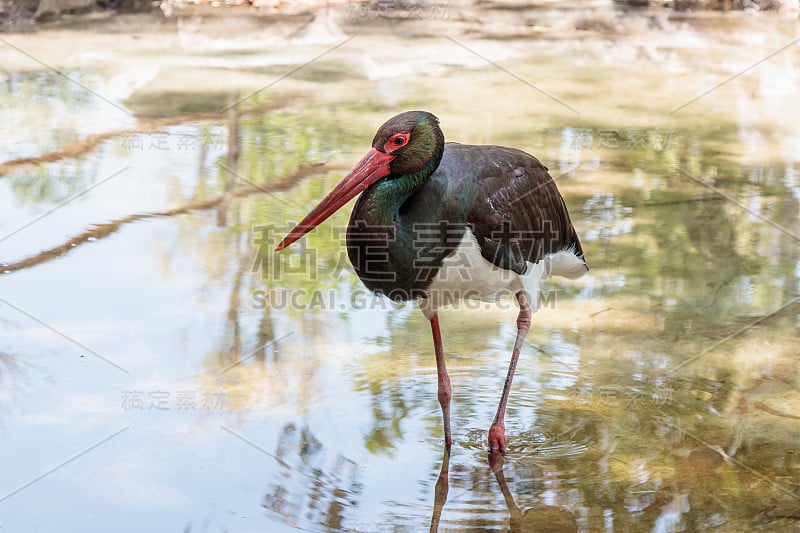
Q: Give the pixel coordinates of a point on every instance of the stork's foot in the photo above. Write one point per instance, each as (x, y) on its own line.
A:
(497, 439)
(496, 460)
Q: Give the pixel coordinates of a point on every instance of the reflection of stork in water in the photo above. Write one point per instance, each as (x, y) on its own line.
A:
(440, 492)
(540, 518)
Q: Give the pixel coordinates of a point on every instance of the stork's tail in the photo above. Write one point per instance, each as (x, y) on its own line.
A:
(567, 264)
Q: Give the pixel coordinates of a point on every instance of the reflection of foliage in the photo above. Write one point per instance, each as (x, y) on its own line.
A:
(698, 255)
(699, 258)
(47, 118)
(7, 366)
(312, 489)
(277, 143)
(389, 409)
(50, 184)
(54, 87)
(10, 379)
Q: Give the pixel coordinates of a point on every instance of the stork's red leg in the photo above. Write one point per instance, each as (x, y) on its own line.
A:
(497, 431)
(443, 378)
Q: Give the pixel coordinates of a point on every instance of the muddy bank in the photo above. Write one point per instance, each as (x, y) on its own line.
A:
(28, 15)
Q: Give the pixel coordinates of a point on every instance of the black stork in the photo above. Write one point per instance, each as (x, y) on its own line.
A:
(442, 221)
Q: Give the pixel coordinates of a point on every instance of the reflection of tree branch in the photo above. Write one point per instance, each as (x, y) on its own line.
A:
(233, 161)
(767, 409)
(90, 142)
(234, 328)
(100, 231)
(266, 334)
(7, 361)
(701, 199)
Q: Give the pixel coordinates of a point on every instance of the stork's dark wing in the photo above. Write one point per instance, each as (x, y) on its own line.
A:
(518, 214)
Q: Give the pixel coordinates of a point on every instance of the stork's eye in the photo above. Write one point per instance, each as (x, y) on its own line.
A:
(396, 141)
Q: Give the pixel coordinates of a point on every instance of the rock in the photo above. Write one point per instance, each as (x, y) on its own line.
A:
(53, 8)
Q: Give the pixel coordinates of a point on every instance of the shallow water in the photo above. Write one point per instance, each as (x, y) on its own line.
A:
(161, 369)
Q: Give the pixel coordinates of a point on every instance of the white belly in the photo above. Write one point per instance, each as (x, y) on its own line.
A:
(466, 275)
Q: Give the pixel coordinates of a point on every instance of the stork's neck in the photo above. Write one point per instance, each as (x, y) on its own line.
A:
(381, 203)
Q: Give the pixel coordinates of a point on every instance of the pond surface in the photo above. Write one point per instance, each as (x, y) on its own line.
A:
(162, 370)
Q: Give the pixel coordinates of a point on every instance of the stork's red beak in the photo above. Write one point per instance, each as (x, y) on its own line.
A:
(371, 168)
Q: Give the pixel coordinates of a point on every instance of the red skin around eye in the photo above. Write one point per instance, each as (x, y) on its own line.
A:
(392, 145)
